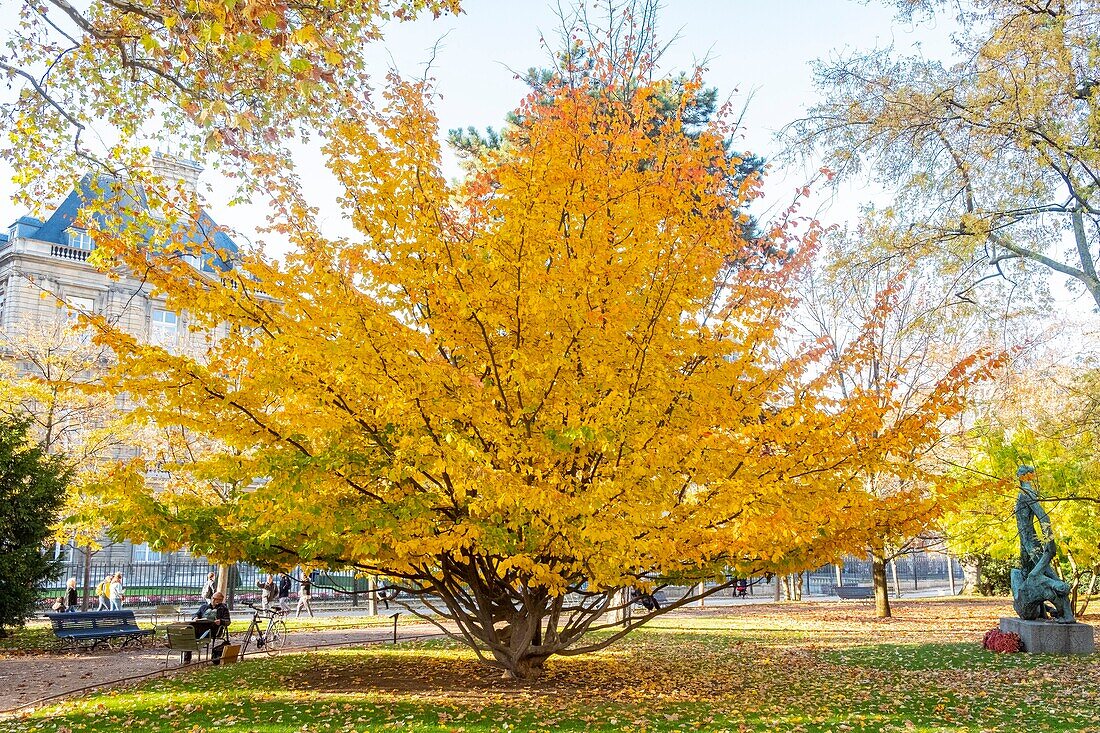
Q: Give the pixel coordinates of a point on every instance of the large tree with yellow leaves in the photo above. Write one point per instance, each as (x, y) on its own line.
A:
(521, 393)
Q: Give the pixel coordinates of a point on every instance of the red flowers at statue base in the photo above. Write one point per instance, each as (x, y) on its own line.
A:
(996, 640)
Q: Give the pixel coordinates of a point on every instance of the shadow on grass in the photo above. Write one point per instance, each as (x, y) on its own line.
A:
(654, 682)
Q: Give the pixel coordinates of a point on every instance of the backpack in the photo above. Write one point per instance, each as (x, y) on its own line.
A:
(101, 589)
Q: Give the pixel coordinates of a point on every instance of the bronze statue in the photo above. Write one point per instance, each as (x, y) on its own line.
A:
(1037, 592)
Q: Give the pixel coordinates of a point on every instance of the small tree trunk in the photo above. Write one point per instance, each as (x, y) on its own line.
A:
(839, 567)
(372, 595)
(894, 575)
(776, 579)
(878, 580)
(87, 577)
(223, 579)
(1088, 594)
(972, 574)
(951, 573)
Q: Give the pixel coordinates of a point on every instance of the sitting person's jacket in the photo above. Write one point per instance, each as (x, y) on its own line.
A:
(221, 614)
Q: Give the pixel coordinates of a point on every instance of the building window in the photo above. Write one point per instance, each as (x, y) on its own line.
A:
(80, 304)
(165, 328)
(79, 239)
(193, 260)
(74, 306)
(143, 553)
(63, 552)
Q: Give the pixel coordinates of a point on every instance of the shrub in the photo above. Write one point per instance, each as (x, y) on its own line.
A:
(996, 640)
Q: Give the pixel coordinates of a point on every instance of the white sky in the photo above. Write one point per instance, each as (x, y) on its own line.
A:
(758, 48)
(762, 49)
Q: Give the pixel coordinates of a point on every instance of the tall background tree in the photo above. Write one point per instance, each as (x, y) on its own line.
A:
(49, 379)
(32, 489)
(994, 158)
(622, 34)
(907, 331)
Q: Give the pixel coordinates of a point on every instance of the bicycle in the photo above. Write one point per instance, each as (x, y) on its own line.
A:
(270, 639)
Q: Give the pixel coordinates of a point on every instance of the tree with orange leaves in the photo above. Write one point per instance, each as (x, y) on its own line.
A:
(518, 394)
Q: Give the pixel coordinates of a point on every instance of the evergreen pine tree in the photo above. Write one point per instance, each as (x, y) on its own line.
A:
(32, 489)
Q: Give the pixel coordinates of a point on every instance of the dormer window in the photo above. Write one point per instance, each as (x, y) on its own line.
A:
(79, 239)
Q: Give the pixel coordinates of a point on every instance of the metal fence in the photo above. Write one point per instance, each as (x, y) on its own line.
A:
(179, 582)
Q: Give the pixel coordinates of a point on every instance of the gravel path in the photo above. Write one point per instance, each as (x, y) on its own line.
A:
(26, 678)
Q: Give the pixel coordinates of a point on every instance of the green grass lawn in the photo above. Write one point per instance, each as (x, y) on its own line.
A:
(784, 672)
(35, 637)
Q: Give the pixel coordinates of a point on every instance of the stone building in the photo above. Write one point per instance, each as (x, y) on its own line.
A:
(45, 277)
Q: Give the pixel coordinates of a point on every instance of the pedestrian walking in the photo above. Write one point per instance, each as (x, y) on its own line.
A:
(71, 599)
(210, 587)
(305, 592)
(284, 592)
(268, 591)
(117, 592)
(102, 591)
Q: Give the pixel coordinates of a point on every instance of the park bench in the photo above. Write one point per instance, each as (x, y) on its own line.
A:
(90, 629)
(854, 592)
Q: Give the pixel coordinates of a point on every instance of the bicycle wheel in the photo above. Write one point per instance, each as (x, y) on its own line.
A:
(276, 636)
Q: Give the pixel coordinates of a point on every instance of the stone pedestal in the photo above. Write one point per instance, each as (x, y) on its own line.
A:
(1047, 637)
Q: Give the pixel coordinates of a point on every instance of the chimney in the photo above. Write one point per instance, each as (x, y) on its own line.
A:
(175, 171)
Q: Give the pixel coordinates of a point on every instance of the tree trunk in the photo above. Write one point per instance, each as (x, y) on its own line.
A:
(951, 574)
(516, 627)
(1088, 595)
(87, 578)
(223, 579)
(878, 580)
(972, 574)
(894, 574)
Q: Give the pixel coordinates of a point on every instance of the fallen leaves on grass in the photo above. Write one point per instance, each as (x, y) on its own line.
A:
(792, 668)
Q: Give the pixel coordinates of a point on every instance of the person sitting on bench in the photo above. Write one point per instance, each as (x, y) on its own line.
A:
(212, 619)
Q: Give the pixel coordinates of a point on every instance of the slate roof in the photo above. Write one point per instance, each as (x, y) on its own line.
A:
(53, 230)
